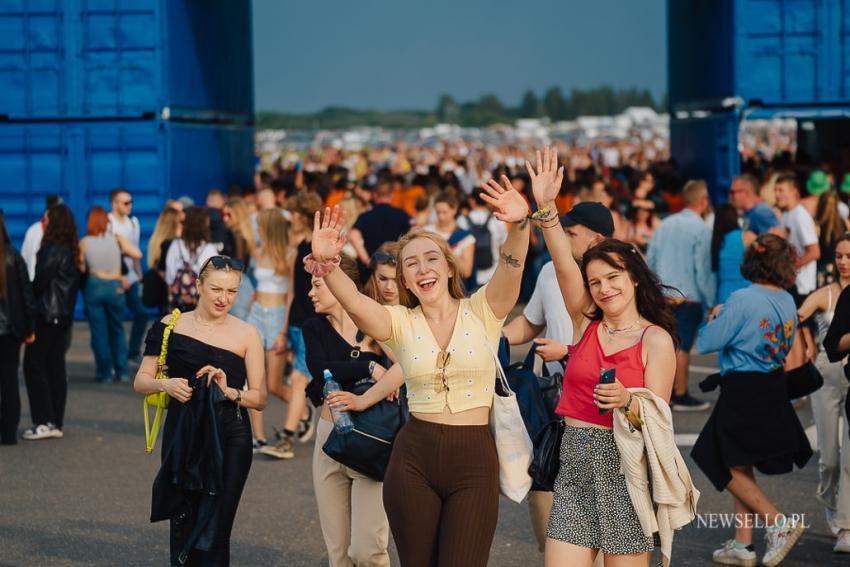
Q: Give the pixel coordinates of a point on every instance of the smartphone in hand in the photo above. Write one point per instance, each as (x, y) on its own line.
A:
(607, 376)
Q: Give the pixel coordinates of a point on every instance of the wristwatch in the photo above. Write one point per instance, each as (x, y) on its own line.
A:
(238, 399)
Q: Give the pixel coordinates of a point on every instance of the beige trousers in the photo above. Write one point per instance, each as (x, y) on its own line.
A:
(351, 510)
(833, 459)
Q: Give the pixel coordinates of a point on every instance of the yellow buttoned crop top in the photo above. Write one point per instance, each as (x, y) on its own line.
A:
(471, 370)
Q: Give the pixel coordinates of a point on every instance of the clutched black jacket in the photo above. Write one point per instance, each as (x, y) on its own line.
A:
(57, 278)
(191, 477)
(19, 302)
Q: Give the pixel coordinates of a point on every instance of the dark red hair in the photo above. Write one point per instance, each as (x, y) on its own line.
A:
(98, 221)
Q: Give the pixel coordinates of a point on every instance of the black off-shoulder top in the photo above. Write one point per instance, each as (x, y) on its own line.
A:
(186, 355)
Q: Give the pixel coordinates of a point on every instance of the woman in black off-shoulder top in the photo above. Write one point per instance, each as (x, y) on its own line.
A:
(206, 439)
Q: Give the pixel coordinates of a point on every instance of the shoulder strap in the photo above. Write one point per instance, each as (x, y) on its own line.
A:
(829, 306)
(645, 329)
(166, 334)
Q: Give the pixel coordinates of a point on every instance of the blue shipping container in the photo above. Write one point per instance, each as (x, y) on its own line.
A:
(771, 52)
(77, 59)
(707, 148)
(84, 161)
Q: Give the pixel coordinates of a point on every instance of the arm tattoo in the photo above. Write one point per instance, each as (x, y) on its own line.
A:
(510, 260)
(524, 223)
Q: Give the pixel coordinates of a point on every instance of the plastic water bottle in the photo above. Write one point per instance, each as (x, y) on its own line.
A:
(342, 421)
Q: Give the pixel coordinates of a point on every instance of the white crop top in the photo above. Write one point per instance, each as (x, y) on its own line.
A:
(270, 282)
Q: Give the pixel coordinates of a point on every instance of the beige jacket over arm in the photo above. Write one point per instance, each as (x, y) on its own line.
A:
(657, 479)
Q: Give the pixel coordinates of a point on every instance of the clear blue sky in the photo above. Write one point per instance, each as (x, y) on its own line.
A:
(400, 54)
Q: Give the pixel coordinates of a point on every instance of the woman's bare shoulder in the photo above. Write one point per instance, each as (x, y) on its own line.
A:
(245, 332)
(657, 338)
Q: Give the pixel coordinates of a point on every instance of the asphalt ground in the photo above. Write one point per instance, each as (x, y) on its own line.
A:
(85, 499)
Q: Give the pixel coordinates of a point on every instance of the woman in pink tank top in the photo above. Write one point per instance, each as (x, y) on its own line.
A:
(622, 322)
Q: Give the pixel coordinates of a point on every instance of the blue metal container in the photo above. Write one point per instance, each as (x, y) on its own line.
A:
(84, 161)
(766, 52)
(706, 147)
(79, 59)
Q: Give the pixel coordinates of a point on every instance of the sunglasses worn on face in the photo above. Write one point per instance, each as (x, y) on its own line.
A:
(222, 262)
(440, 382)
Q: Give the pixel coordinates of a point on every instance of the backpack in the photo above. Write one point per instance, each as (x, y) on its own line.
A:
(183, 291)
(483, 243)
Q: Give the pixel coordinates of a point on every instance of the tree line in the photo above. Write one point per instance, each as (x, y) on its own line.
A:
(487, 110)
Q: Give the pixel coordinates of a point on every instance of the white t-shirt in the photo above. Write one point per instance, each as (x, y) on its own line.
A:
(129, 229)
(802, 233)
(178, 253)
(32, 242)
(547, 307)
(498, 235)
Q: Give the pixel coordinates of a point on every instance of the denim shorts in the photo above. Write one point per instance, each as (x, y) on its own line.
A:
(299, 351)
(269, 321)
(688, 320)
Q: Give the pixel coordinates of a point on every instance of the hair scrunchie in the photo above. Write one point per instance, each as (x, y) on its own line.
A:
(320, 269)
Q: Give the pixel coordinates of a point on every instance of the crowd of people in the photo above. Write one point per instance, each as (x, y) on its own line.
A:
(400, 267)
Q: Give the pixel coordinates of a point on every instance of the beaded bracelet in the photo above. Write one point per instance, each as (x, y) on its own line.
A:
(320, 269)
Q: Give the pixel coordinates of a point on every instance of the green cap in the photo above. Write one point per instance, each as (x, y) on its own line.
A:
(818, 183)
(845, 183)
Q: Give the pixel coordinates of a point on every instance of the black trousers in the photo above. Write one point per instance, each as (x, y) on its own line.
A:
(238, 453)
(10, 397)
(45, 376)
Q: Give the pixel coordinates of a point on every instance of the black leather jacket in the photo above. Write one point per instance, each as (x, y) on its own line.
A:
(57, 279)
(19, 303)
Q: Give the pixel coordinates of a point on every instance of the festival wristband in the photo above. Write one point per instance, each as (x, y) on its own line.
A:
(541, 214)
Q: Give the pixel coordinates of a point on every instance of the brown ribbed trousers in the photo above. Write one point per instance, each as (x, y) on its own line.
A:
(441, 494)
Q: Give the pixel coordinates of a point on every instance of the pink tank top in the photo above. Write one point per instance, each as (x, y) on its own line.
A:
(585, 362)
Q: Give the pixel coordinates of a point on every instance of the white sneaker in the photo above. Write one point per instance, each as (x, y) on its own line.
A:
(843, 543)
(41, 431)
(729, 554)
(830, 521)
(780, 541)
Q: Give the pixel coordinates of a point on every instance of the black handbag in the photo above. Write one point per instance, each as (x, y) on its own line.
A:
(367, 448)
(802, 381)
(546, 459)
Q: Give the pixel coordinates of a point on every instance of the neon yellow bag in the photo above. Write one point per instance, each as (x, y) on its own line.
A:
(159, 400)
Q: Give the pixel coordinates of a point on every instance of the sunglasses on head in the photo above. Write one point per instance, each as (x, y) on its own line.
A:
(379, 258)
(222, 262)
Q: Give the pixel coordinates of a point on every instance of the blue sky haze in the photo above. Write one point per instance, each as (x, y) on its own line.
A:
(399, 54)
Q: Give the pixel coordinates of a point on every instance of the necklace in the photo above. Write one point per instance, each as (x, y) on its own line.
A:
(206, 327)
(611, 331)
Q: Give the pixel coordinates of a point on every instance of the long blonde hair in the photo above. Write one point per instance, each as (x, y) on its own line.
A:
(456, 289)
(828, 218)
(242, 222)
(167, 227)
(274, 231)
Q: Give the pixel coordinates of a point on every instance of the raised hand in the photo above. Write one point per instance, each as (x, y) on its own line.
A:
(508, 205)
(328, 233)
(546, 181)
